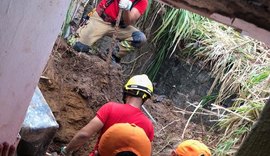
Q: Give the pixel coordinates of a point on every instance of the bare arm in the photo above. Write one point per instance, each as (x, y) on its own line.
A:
(84, 134)
(130, 17)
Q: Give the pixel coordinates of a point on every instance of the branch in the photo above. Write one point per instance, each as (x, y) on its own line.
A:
(219, 107)
(183, 134)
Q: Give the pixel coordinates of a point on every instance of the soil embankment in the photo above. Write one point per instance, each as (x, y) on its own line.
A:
(79, 84)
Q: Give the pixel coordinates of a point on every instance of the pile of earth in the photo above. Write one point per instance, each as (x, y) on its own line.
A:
(76, 85)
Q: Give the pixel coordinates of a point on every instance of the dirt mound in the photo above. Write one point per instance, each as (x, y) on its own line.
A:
(76, 85)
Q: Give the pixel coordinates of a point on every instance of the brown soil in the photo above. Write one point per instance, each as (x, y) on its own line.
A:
(79, 84)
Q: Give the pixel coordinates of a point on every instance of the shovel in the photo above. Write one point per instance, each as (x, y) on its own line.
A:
(116, 27)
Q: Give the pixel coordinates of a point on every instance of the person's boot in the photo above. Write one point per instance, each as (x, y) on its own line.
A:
(80, 47)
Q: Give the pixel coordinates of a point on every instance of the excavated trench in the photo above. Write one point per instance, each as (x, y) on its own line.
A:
(79, 84)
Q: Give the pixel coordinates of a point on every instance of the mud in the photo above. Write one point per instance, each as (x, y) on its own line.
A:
(76, 85)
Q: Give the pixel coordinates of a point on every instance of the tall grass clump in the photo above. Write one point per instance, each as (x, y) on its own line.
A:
(177, 25)
(72, 10)
(239, 65)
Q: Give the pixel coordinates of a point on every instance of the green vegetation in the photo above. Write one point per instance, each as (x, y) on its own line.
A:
(239, 64)
(69, 15)
(177, 25)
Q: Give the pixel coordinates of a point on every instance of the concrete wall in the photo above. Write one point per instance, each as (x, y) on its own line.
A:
(28, 30)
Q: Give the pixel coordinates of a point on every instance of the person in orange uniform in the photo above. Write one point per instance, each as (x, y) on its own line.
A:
(124, 139)
(191, 148)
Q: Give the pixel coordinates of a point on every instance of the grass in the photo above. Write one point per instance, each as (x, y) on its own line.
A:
(206, 100)
(239, 64)
(233, 58)
(177, 25)
(69, 15)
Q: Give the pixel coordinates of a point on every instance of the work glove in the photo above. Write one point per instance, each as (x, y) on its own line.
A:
(125, 4)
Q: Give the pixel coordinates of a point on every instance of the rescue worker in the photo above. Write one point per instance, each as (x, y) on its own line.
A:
(7, 150)
(136, 91)
(191, 148)
(102, 21)
(124, 139)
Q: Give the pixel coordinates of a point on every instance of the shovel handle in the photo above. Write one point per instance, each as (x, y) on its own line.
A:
(116, 28)
(118, 19)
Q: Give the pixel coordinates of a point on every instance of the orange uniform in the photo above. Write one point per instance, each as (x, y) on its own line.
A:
(124, 137)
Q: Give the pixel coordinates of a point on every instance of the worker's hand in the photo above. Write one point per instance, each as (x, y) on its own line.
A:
(125, 4)
(6, 149)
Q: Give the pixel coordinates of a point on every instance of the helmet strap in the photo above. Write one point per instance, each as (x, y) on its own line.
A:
(134, 93)
(124, 97)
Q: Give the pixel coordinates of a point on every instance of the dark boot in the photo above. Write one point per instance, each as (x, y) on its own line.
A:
(80, 47)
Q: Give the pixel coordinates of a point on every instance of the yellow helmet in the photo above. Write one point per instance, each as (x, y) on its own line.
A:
(140, 86)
